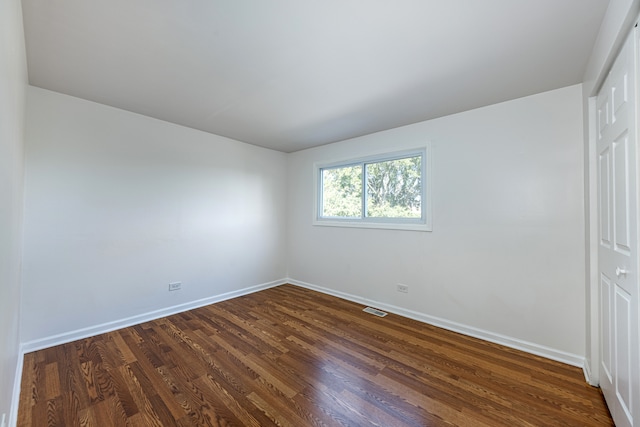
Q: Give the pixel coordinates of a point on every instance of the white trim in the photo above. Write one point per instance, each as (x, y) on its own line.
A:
(588, 376)
(592, 288)
(518, 344)
(15, 398)
(90, 331)
(378, 225)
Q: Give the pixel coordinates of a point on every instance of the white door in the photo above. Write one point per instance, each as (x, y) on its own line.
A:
(618, 239)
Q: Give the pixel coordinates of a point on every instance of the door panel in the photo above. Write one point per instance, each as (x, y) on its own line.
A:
(603, 114)
(621, 195)
(623, 349)
(619, 94)
(605, 314)
(604, 202)
(618, 240)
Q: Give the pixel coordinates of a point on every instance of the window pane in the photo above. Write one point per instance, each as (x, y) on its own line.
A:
(342, 192)
(394, 188)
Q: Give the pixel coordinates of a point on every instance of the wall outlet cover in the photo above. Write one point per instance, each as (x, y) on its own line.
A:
(175, 286)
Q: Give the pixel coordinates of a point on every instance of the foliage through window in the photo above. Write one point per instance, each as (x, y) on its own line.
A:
(378, 192)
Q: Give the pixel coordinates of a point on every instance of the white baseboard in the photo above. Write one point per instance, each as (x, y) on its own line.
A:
(588, 374)
(586, 369)
(533, 348)
(90, 331)
(15, 399)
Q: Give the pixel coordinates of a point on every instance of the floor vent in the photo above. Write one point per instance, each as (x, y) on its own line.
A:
(374, 311)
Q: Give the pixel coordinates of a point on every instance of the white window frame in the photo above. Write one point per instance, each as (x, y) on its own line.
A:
(416, 224)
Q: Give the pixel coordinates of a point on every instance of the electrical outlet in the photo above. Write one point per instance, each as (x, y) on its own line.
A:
(403, 288)
(175, 286)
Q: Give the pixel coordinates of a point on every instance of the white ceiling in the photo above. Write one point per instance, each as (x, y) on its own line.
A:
(292, 74)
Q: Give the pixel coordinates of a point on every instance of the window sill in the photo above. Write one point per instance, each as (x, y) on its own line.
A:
(375, 225)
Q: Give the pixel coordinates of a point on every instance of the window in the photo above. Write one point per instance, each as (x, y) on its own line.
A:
(386, 191)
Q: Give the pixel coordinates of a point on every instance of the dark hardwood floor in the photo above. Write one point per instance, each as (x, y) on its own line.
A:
(289, 356)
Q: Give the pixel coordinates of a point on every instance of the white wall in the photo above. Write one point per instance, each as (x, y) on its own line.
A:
(117, 205)
(13, 83)
(506, 255)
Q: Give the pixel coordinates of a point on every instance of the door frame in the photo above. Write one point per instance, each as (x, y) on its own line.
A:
(628, 19)
(592, 294)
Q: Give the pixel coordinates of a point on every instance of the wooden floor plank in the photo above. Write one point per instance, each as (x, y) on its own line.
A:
(289, 356)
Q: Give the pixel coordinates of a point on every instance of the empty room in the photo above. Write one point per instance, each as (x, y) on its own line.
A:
(336, 213)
